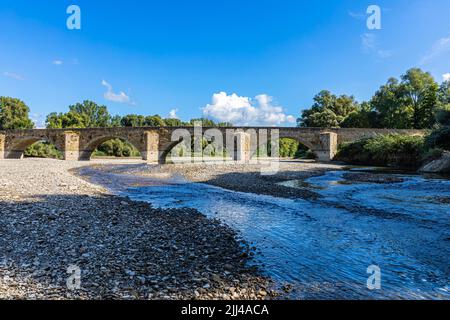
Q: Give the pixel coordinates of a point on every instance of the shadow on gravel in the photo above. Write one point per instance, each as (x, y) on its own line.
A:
(124, 249)
(254, 182)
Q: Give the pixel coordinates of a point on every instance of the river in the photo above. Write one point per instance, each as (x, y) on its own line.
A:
(323, 248)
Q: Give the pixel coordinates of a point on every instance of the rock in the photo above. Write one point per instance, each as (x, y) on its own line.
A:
(441, 165)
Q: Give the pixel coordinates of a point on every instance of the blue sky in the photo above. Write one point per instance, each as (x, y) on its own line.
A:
(249, 61)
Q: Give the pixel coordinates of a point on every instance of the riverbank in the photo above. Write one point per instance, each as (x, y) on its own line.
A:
(51, 219)
(236, 177)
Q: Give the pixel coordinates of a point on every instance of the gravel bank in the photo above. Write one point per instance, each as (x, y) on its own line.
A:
(50, 220)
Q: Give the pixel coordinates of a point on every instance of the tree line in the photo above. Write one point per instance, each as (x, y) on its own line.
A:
(411, 102)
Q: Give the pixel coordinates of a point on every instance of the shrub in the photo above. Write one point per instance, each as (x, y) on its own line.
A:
(43, 150)
(439, 138)
(387, 150)
(431, 155)
(116, 148)
(443, 116)
(353, 152)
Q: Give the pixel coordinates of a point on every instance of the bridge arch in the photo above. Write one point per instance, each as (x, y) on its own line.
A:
(87, 150)
(17, 147)
(178, 138)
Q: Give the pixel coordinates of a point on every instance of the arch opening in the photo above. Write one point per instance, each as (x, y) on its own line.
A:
(288, 148)
(43, 149)
(110, 148)
(35, 148)
(184, 147)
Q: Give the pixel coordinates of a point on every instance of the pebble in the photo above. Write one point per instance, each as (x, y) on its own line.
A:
(51, 219)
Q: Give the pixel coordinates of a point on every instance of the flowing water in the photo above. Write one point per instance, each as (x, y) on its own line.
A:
(323, 248)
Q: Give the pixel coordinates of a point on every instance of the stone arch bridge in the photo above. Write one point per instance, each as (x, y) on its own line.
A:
(155, 143)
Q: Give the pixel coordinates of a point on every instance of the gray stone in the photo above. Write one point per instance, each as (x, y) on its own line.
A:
(441, 165)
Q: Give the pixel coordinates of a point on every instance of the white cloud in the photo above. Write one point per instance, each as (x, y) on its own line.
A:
(439, 47)
(446, 76)
(120, 97)
(57, 62)
(369, 42)
(246, 111)
(39, 120)
(12, 75)
(173, 114)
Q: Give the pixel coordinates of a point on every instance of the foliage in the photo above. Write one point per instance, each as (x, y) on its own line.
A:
(408, 103)
(431, 155)
(328, 110)
(116, 148)
(443, 115)
(81, 115)
(43, 150)
(386, 150)
(419, 91)
(14, 114)
(439, 138)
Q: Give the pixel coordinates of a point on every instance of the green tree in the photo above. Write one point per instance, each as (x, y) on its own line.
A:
(173, 122)
(324, 119)
(389, 103)
(365, 117)
(443, 116)
(14, 114)
(116, 121)
(444, 93)
(81, 115)
(92, 114)
(133, 120)
(65, 120)
(328, 110)
(420, 93)
(154, 121)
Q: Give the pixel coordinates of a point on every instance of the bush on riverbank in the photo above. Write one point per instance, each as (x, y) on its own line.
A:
(386, 150)
(116, 148)
(439, 138)
(43, 150)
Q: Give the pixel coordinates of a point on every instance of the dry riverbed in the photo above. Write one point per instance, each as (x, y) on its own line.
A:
(50, 220)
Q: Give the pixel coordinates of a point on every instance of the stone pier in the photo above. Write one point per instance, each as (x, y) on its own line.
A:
(2, 146)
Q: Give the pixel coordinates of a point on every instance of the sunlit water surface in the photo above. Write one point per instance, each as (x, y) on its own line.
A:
(324, 247)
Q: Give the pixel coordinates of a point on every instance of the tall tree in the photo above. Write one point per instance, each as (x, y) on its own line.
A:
(173, 122)
(389, 103)
(14, 114)
(154, 121)
(81, 115)
(365, 117)
(133, 120)
(444, 93)
(420, 93)
(328, 110)
(93, 115)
